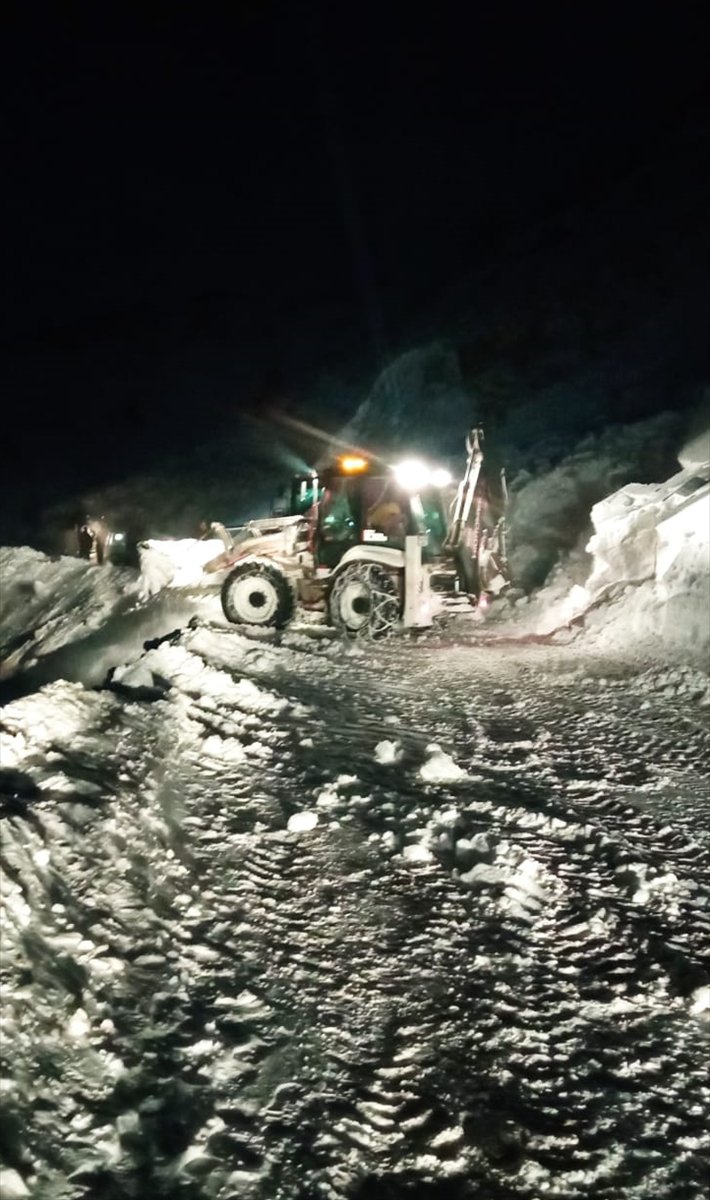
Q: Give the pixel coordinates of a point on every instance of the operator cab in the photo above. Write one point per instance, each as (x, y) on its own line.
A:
(356, 502)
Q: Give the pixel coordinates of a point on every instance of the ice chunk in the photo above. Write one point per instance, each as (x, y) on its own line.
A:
(700, 1001)
(478, 845)
(135, 675)
(440, 767)
(78, 1027)
(483, 875)
(387, 752)
(417, 853)
(12, 1185)
(301, 822)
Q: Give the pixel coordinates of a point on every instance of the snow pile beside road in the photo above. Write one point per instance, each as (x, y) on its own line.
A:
(648, 590)
(46, 603)
(63, 618)
(549, 510)
(639, 533)
(669, 613)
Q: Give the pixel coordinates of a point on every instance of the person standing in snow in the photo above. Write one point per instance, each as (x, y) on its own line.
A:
(85, 538)
(101, 534)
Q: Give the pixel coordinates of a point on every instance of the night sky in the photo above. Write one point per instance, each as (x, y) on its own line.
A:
(203, 215)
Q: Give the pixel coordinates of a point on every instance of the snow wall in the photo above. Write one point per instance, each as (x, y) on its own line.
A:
(646, 588)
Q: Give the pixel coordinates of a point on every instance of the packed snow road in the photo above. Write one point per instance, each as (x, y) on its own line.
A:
(301, 920)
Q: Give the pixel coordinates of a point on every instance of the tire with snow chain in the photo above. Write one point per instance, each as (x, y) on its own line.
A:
(257, 594)
(365, 601)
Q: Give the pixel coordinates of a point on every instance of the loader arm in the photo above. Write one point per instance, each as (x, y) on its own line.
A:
(467, 490)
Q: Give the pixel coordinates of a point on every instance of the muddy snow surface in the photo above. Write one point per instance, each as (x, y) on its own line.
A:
(292, 920)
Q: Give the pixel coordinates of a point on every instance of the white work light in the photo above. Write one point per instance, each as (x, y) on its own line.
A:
(413, 475)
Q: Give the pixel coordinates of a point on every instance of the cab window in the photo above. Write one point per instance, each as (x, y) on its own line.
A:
(337, 521)
(385, 510)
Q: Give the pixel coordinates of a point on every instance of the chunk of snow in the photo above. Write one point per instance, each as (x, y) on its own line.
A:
(483, 875)
(12, 1185)
(387, 752)
(440, 767)
(301, 822)
(135, 675)
(78, 1026)
(479, 844)
(700, 1001)
(417, 853)
(228, 749)
(328, 798)
(447, 1137)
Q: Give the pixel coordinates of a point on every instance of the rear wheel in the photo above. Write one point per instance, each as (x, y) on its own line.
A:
(364, 602)
(257, 594)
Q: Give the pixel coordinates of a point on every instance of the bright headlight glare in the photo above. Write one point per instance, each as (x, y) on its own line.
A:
(414, 475)
(411, 475)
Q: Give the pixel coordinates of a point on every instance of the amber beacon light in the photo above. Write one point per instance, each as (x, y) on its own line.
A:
(352, 463)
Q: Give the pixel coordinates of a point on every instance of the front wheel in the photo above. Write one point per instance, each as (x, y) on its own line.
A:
(364, 602)
(257, 594)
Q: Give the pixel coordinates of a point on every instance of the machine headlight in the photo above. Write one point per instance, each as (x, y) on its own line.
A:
(413, 475)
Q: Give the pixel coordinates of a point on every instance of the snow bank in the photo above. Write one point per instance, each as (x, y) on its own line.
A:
(642, 531)
(46, 603)
(59, 715)
(696, 450)
(549, 511)
(657, 537)
(64, 618)
(648, 590)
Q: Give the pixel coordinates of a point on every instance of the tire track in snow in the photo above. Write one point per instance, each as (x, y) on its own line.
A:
(362, 1129)
(309, 1014)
